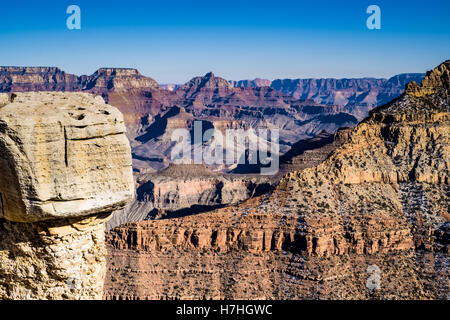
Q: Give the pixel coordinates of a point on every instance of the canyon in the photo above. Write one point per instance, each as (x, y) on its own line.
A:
(377, 203)
(152, 112)
(355, 212)
(300, 109)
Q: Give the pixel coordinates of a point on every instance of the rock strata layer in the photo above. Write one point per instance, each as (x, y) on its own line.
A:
(369, 222)
(187, 189)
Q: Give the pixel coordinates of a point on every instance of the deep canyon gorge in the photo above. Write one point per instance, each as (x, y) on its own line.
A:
(363, 183)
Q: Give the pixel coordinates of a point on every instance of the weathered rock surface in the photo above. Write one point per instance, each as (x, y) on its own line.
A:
(215, 102)
(188, 189)
(105, 80)
(65, 165)
(63, 155)
(191, 189)
(4, 99)
(258, 82)
(23, 79)
(369, 222)
(18, 79)
(53, 259)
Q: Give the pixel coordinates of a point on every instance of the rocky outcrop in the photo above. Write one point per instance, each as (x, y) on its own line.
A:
(215, 102)
(118, 79)
(19, 79)
(65, 165)
(311, 152)
(369, 222)
(193, 189)
(186, 190)
(53, 259)
(152, 113)
(4, 99)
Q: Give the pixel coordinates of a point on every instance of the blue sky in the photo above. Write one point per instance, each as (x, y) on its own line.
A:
(172, 41)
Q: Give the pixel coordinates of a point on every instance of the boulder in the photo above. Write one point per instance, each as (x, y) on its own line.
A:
(62, 155)
(65, 166)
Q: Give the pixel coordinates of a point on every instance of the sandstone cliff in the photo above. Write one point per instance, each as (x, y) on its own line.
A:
(300, 108)
(65, 165)
(187, 189)
(19, 79)
(369, 222)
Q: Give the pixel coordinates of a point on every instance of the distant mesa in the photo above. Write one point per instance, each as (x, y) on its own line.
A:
(258, 82)
(54, 79)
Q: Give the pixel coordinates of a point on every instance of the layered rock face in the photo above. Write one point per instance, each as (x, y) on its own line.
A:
(258, 82)
(19, 79)
(152, 113)
(191, 189)
(369, 222)
(181, 190)
(311, 152)
(65, 165)
(118, 79)
(364, 93)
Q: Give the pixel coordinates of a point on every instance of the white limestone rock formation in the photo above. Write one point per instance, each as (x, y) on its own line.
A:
(65, 165)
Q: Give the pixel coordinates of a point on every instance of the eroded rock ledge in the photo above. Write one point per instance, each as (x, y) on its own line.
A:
(380, 200)
(65, 165)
